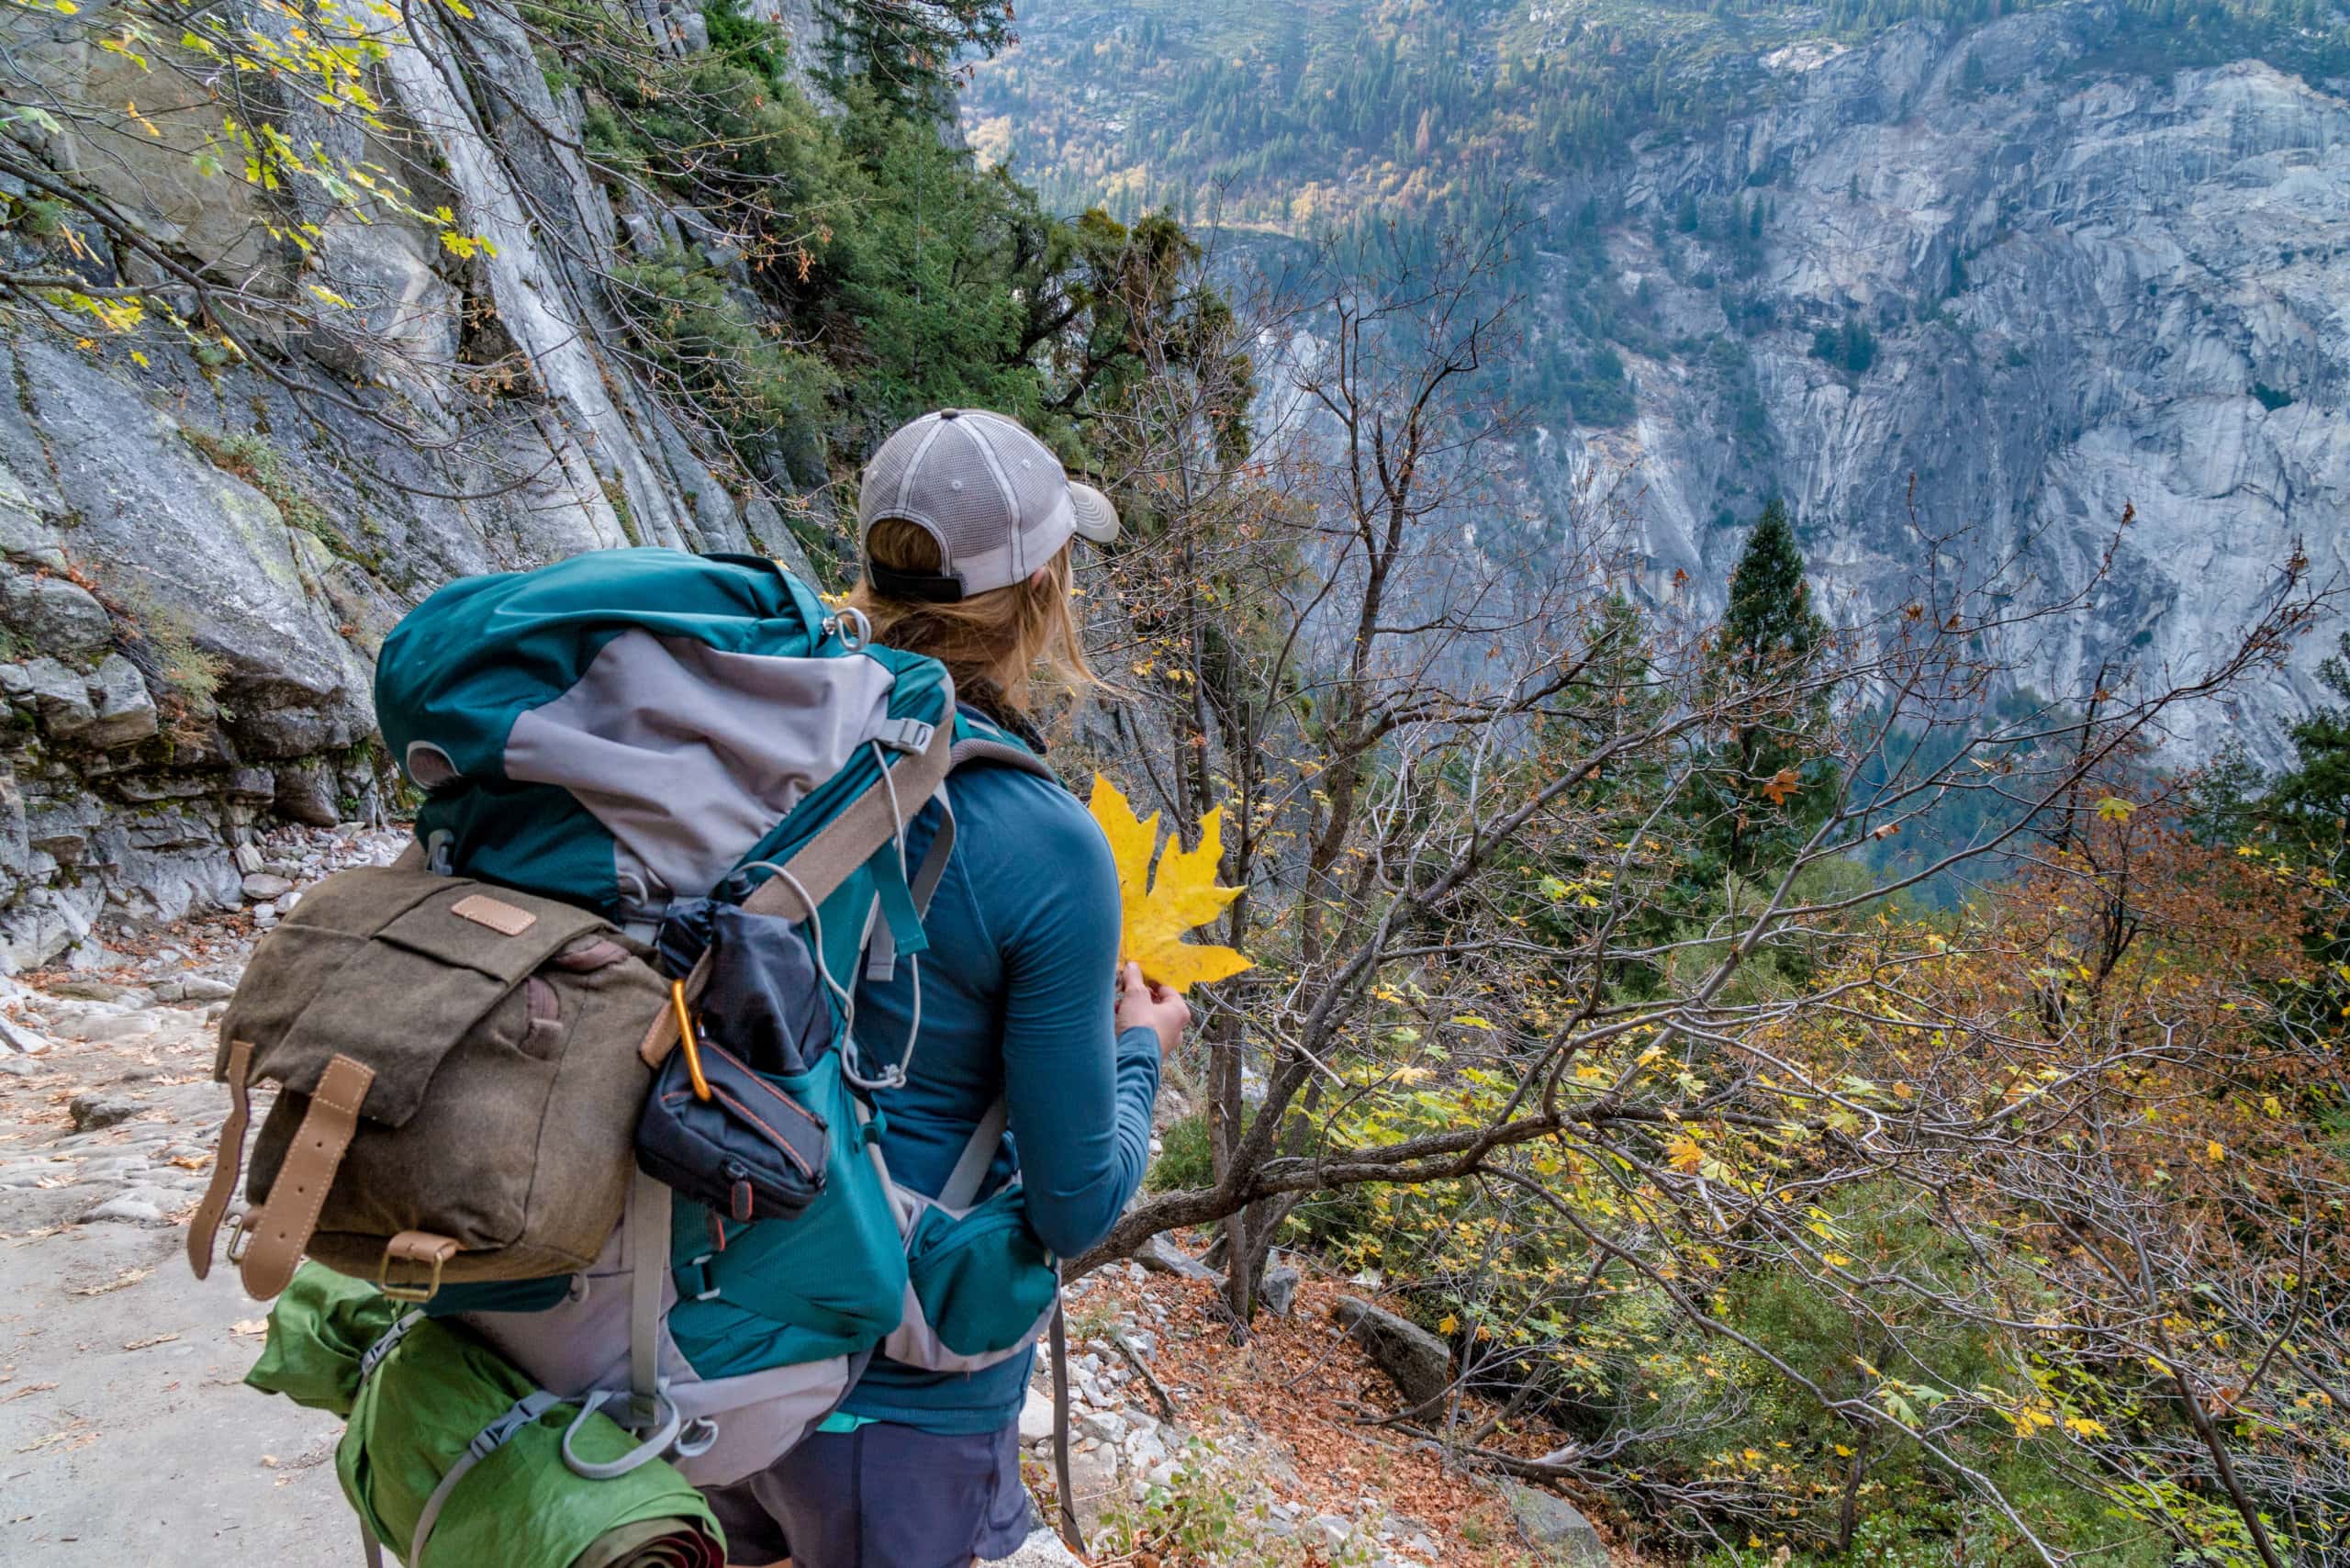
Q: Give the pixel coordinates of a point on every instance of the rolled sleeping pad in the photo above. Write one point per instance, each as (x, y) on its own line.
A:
(439, 1398)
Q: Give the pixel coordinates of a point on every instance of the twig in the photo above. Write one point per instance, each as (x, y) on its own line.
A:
(1134, 1358)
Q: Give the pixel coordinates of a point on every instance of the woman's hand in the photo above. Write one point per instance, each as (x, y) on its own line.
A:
(1143, 1005)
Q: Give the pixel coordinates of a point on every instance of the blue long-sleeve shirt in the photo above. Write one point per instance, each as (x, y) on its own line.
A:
(1018, 998)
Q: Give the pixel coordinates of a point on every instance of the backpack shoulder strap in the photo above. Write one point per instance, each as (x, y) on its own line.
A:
(978, 738)
(834, 854)
(975, 739)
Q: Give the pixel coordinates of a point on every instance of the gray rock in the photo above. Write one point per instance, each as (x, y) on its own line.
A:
(62, 696)
(126, 709)
(1035, 1418)
(100, 1028)
(82, 990)
(1278, 1291)
(93, 1110)
(134, 1207)
(307, 794)
(1093, 1477)
(262, 887)
(15, 1066)
(1165, 1256)
(53, 614)
(250, 784)
(1551, 1522)
(204, 987)
(1041, 1550)
(1417, 1361)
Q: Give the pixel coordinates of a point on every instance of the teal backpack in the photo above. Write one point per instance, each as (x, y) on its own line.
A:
(629, 727)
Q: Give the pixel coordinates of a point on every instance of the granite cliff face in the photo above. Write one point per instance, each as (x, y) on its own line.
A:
(2087, 289)
(198, 560)
(2082, 290)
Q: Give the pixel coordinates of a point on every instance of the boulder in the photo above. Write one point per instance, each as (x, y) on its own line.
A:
(24, 534)
(262, 887)
(306, 793)
(140, 1205)
(1555, 1525)
(55, 615)
(1417, 1361)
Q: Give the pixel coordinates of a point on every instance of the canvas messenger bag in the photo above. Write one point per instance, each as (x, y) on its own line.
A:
(459, 1077)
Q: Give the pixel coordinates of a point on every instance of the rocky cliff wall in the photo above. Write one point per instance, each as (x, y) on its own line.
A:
(2089, 288)
(198, 559)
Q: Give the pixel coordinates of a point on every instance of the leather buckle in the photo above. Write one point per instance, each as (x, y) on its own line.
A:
(408, 1247)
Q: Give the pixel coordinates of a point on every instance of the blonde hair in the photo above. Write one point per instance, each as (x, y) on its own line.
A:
(994, 642)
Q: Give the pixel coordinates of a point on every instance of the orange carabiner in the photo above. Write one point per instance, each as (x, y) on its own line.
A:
(686, 1038)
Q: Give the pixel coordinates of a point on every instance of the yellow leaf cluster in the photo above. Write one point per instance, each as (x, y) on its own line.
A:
(1157, 909)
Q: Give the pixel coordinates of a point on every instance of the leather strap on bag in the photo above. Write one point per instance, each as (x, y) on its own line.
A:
(414, 1253)
(228, 1162)
(830, 858)
(281, 1230)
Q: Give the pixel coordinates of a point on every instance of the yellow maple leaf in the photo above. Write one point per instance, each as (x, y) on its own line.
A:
(1157, 909)
(1685, 1153)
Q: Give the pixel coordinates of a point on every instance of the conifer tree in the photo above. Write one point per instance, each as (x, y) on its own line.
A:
(1770, 783)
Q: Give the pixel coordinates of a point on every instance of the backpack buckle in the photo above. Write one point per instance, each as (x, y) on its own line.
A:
(909, 736)
(239, 1238)
(420, 1247)
(692, 1279)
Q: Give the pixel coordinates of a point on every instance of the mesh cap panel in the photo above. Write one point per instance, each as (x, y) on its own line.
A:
(994, 496)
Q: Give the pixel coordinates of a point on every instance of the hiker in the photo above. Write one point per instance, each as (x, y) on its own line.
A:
(967, 521)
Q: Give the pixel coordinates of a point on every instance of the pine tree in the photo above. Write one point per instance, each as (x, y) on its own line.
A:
(1768, 782)
(2311, 809)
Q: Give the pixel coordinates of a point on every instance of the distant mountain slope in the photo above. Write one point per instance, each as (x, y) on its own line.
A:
(2079, 258)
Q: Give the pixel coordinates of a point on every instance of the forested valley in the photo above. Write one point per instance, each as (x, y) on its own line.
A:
(1815, 1026)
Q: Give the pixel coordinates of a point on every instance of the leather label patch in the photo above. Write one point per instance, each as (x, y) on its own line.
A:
(496, 913)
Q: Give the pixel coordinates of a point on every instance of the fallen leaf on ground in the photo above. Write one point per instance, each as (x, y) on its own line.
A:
(129, 1277)
(151, 1341)
(250, 1326)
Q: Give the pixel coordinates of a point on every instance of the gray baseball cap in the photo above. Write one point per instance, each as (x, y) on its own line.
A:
(994, 496)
